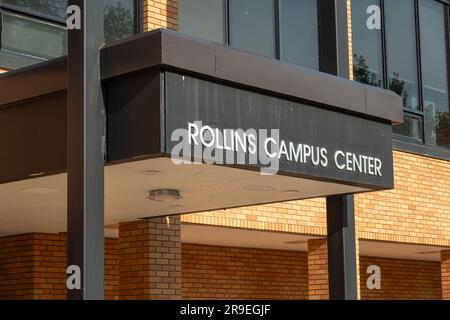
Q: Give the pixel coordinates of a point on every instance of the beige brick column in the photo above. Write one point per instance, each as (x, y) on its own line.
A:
(445, 274)
(358, 262)
(318, 269)
(150, 259)
(160, 14)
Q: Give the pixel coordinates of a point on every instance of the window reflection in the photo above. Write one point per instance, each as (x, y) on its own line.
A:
(119, 19)
(252, 26)
(203, 18)
(434, 73)
(32, 37)
(366, 46)
(401, 51)
(299, 32)
(55, 8)
(119, 23)
(411, 127)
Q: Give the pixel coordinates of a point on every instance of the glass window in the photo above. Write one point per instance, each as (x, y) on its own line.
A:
(119, 19)
(411, 127)
(203, 18)
(32, 37)
(401, 51)
(299, 32)
(252, 26)
(54, 8)
(25, 31)
(434, 73)
(366, 45)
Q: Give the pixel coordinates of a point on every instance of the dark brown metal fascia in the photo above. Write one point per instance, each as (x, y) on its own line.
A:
(34, 81)
(164, 47)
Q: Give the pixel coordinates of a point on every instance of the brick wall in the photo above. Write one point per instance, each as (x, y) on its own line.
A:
(445, 274)
(160, 14)
(402, 279)
(416, 211)
(150, 259)
(33, 266)
(318, 269)
(211, 272)
(111, 269)
(304, 217)
(17, 267)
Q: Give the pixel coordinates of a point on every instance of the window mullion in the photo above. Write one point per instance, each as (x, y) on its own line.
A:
(419, 66)
(277, 30)
(138, 17)
(227, 22)
(383, 47)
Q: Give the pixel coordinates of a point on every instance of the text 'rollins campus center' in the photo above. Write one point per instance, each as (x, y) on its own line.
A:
(251, 149)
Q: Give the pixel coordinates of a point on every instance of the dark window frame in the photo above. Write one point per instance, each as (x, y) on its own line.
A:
(416, 113)
(413, 113)
(276, 3)
(420, 113)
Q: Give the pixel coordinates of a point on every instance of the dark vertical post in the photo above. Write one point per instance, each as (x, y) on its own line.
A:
(340, 209)
(85, 159)
(341, 248)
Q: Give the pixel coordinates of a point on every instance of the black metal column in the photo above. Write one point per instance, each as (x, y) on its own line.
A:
(85, 164)
(341, 248)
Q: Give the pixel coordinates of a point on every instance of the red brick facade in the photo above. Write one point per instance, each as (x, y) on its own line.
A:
(155, 265)
(445, 274)
(211, 272)
(33, 266)
(17, 267)
(402, 279)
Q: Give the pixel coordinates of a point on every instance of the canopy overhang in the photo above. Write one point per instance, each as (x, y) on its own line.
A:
(327, 135)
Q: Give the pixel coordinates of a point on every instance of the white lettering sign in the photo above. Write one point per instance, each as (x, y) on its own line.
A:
(259, 147)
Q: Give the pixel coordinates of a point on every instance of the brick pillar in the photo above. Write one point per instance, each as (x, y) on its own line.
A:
(150, 259)
(445, 274)
(160, 14)
(318, 269)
